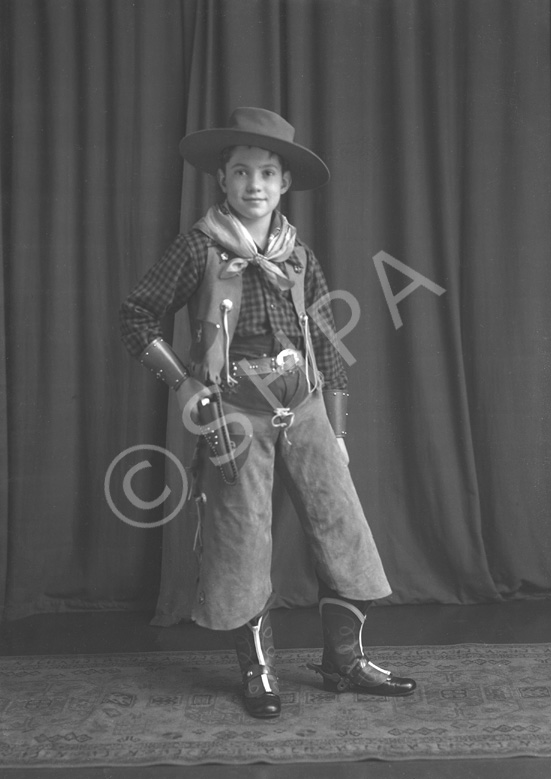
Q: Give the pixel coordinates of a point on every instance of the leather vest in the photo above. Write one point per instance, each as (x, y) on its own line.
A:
(214, 308)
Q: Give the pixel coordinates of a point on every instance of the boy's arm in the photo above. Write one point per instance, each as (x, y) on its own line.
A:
(164, 289)
(322, 324)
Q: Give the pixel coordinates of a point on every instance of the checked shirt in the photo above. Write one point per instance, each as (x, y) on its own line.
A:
(265, 309)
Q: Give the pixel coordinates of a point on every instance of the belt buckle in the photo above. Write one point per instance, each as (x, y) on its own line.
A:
(287, 359)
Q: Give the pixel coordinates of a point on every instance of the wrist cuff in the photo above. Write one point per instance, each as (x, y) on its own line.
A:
(336, 403)
(159, 357)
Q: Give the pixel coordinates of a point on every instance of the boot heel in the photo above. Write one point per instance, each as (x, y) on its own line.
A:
(343, 685)
(330, 686)
(332, 682)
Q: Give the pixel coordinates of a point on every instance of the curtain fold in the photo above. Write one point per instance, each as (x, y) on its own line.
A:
(506, 323)
(94, 97)
(434, 117)
(4, 518)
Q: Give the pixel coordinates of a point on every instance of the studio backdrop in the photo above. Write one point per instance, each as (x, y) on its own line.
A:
(434, 233)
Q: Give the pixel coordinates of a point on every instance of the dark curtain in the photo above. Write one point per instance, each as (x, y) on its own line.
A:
(434, 117)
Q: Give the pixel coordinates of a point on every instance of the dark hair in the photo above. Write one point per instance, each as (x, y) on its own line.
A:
(226, 154)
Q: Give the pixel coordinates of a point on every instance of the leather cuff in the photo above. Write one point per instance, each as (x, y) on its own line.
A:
(336, 403)
(160, 358)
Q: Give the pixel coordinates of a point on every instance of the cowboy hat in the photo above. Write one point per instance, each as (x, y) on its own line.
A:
(261, 128)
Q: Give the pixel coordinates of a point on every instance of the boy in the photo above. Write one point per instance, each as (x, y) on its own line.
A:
(274, 381)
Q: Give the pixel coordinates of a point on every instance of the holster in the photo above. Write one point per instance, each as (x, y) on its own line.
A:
(216, 434)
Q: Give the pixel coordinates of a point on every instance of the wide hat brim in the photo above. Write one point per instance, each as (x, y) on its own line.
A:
(203, 148)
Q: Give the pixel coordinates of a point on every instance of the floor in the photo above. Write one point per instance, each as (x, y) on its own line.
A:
(514, 622)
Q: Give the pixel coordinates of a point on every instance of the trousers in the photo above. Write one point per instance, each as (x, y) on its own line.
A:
(236, 544)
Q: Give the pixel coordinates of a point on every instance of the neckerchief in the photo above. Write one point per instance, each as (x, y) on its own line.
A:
(224, 228)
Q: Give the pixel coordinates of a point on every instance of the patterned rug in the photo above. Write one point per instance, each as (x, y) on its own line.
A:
(183, 708)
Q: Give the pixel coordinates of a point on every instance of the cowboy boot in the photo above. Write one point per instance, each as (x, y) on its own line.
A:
(255, 653)
(344, 665)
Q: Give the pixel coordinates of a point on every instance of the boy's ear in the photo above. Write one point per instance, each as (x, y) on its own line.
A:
(221, 177)
(287, 181)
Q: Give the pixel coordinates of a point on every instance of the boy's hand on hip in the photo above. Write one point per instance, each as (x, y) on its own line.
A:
(188, 394)
(344, 450)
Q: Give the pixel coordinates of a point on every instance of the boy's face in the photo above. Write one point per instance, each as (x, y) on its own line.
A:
(253, 182)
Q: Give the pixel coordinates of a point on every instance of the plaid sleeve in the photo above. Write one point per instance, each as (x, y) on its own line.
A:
(322, 325)
(164, 289)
